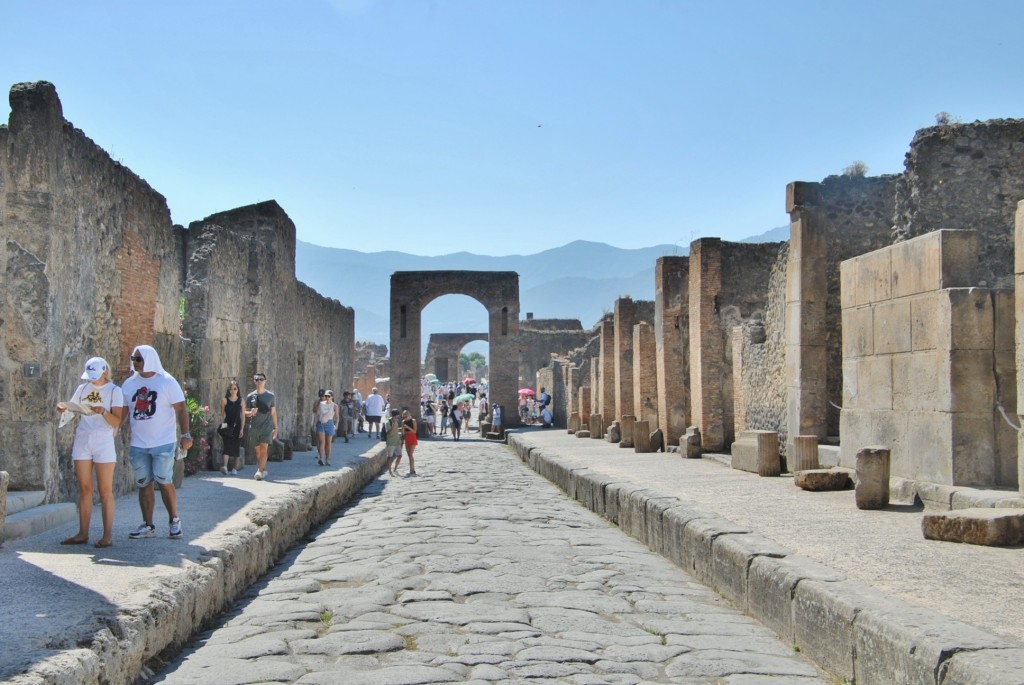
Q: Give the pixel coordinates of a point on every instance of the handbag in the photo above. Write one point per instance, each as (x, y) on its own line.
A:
(224, 430)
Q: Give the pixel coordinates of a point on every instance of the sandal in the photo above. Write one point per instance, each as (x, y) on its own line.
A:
(74, 540)
(104, 543)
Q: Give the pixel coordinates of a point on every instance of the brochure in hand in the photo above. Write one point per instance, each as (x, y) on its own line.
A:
(70, 409)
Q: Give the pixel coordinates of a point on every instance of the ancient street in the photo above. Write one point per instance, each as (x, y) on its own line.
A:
(479, 570)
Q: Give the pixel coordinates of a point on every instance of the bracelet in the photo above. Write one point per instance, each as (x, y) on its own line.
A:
(187, 435)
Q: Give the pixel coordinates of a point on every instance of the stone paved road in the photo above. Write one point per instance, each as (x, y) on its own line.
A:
(481, 571)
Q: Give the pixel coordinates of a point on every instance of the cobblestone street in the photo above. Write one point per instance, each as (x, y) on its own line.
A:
(479, 570)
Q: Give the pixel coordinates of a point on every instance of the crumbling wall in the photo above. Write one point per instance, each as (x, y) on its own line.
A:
(672, 345)
(247, 313)
(966, 176)
(90, 265)
(538, 344)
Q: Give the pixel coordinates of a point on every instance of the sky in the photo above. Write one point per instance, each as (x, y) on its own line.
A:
(500, 127)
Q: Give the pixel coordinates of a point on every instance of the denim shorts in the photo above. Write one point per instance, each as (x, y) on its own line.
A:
(326, 428)
(153, 463)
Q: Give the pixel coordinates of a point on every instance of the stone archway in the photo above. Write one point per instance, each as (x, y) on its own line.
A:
(497, 291)
(443, 353)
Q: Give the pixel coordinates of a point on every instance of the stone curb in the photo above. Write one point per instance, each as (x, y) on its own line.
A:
(849, 629)
(122, 641)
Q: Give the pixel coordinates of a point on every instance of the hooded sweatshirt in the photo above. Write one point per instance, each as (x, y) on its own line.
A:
(151, 401)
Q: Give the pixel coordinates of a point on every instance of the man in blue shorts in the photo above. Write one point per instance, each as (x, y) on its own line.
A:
(156, 409)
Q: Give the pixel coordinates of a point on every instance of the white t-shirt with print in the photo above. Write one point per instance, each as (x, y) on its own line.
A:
(107, 396)
(150, 409)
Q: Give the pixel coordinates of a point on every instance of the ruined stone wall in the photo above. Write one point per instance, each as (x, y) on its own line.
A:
(247, 313)
(672, 345)
(90, 265)
(529, 324)
(760, 388)
(966, 176)
(538, 345)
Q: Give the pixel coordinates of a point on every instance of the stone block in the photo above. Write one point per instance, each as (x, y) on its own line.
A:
(823, 617)
(614, 434)
(657, 438)
(929, 318)
(642, 437)
(822, 480)
(872, 477)
(980, 526)
(697, 539)
(574, 422)
(757, 452)
(928, 447)
(596, 426)
(875, 382)
(920, 381)
(871, 276)
(828, 456)
(970, 320)
(985, 666)
(5, 480)
(933, 261)
(627, 423)
(803, 455)
(771, 584)
(858, 332)
(891, 326)
(731, 558)
(972, 386)
(691, 441)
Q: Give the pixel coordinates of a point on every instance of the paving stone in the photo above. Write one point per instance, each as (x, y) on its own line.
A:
(994, 527)
(482, 572)
(821, 480)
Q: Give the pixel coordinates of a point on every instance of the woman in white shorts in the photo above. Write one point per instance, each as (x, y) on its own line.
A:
(93, 447)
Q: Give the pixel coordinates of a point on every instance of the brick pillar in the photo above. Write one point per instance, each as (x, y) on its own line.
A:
(595, 385)
(706, 343)
(584, 405)
(672, 345)
(642, 437)
(645, 374)
(604, 391)
(572, 388)
(806, 330)
(739, 400)
(625, 318)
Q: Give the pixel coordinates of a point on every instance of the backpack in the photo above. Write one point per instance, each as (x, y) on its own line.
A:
(385, 430)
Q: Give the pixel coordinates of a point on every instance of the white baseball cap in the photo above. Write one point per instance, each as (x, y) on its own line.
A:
(94, 369)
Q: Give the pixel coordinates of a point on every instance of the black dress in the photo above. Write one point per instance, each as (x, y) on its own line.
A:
(232, 417)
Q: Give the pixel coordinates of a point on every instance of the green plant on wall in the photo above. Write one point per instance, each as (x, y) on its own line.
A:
(199, 417)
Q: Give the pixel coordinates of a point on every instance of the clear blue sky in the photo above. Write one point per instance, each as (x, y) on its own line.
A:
(504, 127)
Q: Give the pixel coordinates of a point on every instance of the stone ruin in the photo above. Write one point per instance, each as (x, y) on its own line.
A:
(92, 265)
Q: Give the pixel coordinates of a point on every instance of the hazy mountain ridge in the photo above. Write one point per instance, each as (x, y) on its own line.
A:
(580, 280)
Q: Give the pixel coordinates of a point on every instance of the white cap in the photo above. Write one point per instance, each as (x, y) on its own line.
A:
(94, 369)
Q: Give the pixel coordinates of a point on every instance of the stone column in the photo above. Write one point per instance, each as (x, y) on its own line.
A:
(642, 437)
(5, 480)
(584, 404)
(572, 386)
(604, 390)
(806, 330)
(574, 423)
(872, 469)
(645, 374)
(626, 425)
(706, 344)
(1019, 336)
(595, 384)
(625, 313)
(804, 454)
(672, 345)
(596, 426)
(739, 399)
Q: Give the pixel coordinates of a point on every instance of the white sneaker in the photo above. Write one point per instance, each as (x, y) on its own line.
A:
(234, 472)
(263, 475)
(143, 531)
(224, 470)
(258, 475)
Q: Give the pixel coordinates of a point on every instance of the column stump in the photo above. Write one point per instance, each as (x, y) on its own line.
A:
(642, 437)
(872, 470)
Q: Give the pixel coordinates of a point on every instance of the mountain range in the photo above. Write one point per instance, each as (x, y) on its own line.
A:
(580, 280)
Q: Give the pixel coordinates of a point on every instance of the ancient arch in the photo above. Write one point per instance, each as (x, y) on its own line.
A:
(497, 291)
(443, 353)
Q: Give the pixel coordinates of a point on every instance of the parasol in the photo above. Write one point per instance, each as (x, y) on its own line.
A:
(526, 391)
(464, 397)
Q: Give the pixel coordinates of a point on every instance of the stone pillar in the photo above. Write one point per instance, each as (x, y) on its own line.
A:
(1019, 336)
(595, 385)
(806, 330)
(672, 345)
(645, 374)
(739, 400)
(626, 425)
(803, 456)
(625, 315)
(689, 444)
(574, 423)
(604, 389)
(5, 480)
(706, 343)
(572, 388)
(642, 437)
(596, 426)
(872, 470)
(584, 404)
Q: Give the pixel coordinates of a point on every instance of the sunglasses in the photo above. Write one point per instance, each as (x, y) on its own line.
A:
(257, 379)
(138, 359)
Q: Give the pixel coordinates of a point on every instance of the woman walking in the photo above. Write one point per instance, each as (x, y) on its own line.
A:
(456, 420)
(326, 417)
(409, 431)
(231, 428)
(93, 448)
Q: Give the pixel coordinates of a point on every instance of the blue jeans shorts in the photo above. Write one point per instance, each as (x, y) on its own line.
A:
(153, 463)
(326, 428)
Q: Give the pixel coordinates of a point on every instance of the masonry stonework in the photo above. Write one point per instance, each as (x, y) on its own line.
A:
(671, 339)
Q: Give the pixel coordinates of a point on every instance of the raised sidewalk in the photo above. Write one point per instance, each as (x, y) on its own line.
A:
(77, 615)
(862, 593)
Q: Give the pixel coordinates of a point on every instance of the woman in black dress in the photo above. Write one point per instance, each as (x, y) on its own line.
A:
(232, 427)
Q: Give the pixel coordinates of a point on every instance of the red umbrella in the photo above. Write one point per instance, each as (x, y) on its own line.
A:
(526, 391)
(469, 381)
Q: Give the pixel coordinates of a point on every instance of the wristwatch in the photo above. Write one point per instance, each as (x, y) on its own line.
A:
(187, 435)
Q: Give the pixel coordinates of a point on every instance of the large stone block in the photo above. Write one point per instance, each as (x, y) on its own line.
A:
(936, 260)
(920, 382)
(822, 480)
(771, 585)
(871, 274)
(892, 327)
(985, 667)
(982, 526)
(803, 453)
(872, 488)
(858, 332)
(731, 559)
(757, 451)
(875, 382)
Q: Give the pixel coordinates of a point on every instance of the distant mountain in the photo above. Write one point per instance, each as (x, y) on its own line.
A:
(776, 235)
(580, 280)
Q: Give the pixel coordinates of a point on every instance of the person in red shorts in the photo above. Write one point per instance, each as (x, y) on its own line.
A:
(409, 430)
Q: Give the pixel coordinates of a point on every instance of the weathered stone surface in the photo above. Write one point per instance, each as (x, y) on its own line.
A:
(614, 433)
(820, 480)
(872, 471)
(985, 667)
(642, 437)
(583, 434)
(5, 479)
(993, 527)
(804, 455)
(757, 452)
(657, 439)
(692, 443)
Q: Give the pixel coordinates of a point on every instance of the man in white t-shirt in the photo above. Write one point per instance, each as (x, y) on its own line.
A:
(374, 411)
(156, 410)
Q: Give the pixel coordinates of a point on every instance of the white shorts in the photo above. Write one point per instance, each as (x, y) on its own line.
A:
(95, 446)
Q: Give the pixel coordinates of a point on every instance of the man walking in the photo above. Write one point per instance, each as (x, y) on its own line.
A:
(374, 412)
(348, 415)
(156, 410)
(261, 410)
